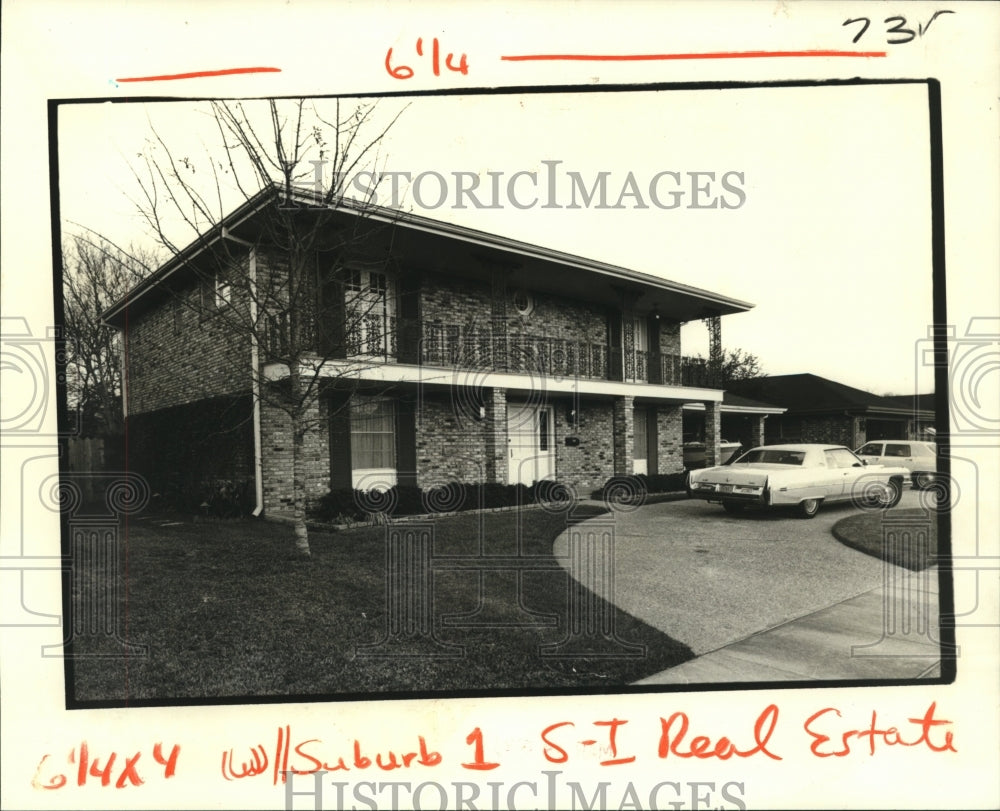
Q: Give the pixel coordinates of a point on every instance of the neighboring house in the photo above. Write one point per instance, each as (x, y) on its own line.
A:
(822, 410)
(477, 358)
(922, 408)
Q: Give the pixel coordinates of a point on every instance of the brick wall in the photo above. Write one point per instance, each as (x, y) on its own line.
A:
(623, 429)
(276, 457)
(179, 351)
(670, 337)
(835, 430)
(588, 465)
(670, 450)
(451, 446)
(457, 301)
(713, 433)
(557, 317)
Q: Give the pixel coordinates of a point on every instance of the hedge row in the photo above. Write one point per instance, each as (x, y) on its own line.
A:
(344, 505)
(633, 489)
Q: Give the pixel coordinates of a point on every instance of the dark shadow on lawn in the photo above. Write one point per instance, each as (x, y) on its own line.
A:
(903, 537)
(228, 611)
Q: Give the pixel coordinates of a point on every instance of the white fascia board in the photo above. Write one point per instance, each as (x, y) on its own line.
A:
(735, 409)
(435, 376)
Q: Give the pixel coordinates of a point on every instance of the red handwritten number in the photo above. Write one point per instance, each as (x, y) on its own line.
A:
(402, 72)
(105, 773)
(463, 64)
(170, 763)
(475, 738)
(56, 781)
(407, 72)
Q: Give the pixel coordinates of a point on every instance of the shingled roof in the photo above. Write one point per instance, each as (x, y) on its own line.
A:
(812, 394)
(914, 402)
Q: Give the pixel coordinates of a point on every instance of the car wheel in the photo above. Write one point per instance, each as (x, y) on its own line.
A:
(885, 495)
(923, 480)
(896, 490)
(733, 507)
(809, 507)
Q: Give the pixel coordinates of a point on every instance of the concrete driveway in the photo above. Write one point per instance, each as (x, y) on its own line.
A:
(709, 579)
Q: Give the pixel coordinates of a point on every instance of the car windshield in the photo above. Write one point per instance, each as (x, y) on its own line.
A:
(772, 457)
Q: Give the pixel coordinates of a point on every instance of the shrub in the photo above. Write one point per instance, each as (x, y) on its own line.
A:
(346, 504)
(629, 488)
(337, 506)
(220, 498)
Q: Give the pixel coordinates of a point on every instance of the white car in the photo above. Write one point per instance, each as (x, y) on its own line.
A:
(920, 458)
(801, 476)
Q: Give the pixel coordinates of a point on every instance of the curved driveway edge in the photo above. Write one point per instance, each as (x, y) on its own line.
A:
(709, 580)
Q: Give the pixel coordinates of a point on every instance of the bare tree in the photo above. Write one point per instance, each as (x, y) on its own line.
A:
(306, 302)
(95, 275)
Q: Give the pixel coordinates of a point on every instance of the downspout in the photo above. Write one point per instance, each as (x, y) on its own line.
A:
(258, 459)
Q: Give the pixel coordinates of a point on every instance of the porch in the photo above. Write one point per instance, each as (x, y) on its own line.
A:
(493, 348)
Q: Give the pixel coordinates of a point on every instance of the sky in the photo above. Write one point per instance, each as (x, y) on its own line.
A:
(824, 226)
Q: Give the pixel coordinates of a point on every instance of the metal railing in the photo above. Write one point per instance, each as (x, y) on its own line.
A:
(497, 351)
(490, 348)
(369, 335)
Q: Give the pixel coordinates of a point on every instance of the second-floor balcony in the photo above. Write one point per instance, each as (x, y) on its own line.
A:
(490, 348)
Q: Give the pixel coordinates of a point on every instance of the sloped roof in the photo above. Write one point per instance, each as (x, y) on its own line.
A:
(738, 401)
(914, 402)
(695, 302)
(812, 394)
(737, 404)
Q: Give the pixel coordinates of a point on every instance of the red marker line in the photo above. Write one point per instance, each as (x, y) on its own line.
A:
(198, 74)
(665, 57)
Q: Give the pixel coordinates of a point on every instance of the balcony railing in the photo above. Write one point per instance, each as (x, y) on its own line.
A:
(492, 349)
(277, 340)
(452, 345)
(370, 335)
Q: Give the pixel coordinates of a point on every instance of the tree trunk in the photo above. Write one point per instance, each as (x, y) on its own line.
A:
(298, 443)
(299, 488)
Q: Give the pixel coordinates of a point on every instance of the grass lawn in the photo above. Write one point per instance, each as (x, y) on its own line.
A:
(905, 537)
(228, 610)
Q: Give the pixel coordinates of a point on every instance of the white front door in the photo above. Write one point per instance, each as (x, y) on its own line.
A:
(530, 446)
(640, 445)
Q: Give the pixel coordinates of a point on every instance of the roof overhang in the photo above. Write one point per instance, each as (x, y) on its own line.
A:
(873, 412)
(521, 384)
(412, 234)
(737, 409)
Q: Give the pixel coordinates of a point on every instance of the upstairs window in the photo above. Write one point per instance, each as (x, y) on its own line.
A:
(223, 290)
(636, 344)
(370, 313)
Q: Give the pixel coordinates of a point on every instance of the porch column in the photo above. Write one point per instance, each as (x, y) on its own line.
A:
(623, 431)
(713, 429)
(759, 439)
(495, 430)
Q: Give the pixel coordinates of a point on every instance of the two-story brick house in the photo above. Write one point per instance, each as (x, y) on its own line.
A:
(473, 358)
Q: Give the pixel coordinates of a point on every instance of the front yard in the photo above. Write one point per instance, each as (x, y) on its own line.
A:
(226, 610)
